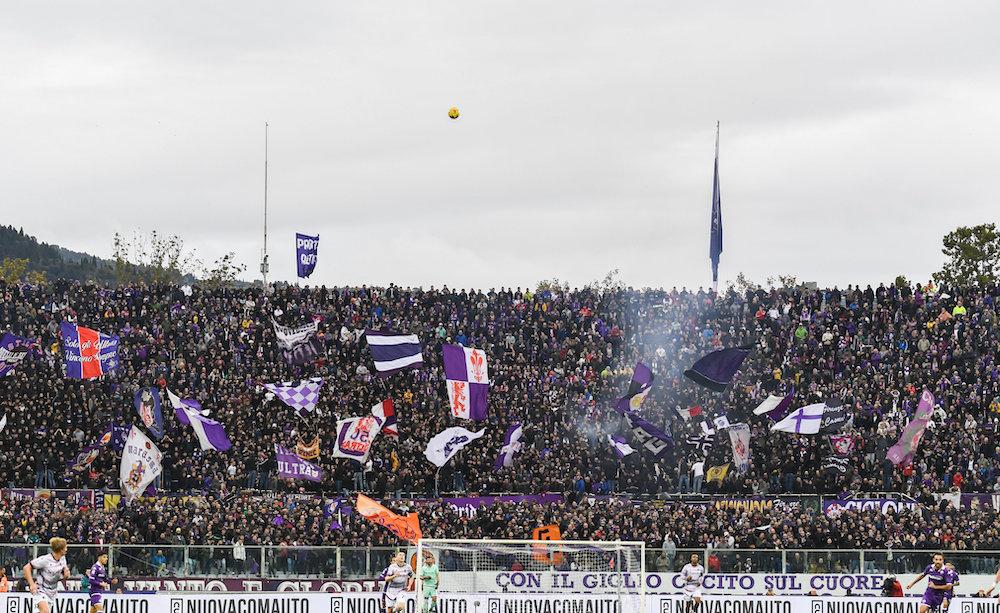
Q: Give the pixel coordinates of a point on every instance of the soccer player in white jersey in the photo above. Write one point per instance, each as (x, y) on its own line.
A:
(996, 582)
(691, 576)
(51, 569)
(397, 578)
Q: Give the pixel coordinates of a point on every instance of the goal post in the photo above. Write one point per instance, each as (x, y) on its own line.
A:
(495, 572)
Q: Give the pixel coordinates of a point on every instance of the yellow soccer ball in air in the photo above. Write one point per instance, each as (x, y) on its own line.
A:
(453, 112)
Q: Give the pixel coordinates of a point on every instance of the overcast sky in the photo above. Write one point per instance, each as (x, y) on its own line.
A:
(854, 134)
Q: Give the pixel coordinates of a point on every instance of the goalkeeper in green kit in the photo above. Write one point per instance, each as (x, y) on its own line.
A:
(428, 574)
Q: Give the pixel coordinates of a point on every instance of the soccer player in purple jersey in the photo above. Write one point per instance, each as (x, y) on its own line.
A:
(98, 575)
(940, 581)
(950, 594)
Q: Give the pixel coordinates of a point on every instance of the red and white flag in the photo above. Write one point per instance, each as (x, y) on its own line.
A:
(385, 413)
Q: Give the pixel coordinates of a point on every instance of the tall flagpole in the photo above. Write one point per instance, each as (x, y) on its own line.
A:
(263, 264)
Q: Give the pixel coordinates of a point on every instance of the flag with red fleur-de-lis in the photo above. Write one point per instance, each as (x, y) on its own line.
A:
(468, 380)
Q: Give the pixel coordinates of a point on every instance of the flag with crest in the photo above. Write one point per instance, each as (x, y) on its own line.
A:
(467, 376)
(638, 389)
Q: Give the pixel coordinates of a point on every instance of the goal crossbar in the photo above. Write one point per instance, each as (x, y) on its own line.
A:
(545, 568)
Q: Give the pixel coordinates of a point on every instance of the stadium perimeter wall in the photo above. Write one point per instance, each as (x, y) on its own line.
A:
(481, 603)
(525, 582)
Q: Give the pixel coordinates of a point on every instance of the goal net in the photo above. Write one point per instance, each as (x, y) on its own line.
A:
(515, 576)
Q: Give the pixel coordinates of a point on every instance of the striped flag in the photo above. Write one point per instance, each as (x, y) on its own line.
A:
(393, 352)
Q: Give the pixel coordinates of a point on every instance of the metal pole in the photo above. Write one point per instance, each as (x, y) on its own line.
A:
(263, 264)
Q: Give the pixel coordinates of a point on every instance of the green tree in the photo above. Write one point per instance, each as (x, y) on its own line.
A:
(973, 256)
(156, 258)
(12, 270)
(742, 284)
(223, 271)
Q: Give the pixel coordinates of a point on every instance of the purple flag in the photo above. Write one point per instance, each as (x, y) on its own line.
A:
(511, 446)
(715, 240)
(291, 466)
(466, 374)
(655, 441)
(715, 370)
(620, 447)
(638, 389)
(904, 449)
(113, 435)
(82, 460)
(13, 350)
(210, 433)
(306, 248)
(393, 352)
(302, 397)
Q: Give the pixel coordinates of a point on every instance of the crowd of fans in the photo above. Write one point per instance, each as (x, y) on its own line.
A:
(228, 534)
(557, 361)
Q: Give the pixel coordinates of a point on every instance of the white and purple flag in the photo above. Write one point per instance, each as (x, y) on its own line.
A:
(620, 447)
(302, 397)
(393, 352)
(13, 350)
(306, 253)
(511, 445)
(210, 433)
(467, 376)
(355, 436)
(444, 445)
(739, 438)
(655, 441)
(299, 345)
(802, 421)
(774, 406)
(638, 389)
(140, 465)
(291, 466)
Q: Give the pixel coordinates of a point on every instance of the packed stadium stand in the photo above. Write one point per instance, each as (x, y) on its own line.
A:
(558, 360)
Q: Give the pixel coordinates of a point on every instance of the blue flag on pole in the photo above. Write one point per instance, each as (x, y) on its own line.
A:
(306, 248)
(715, 243)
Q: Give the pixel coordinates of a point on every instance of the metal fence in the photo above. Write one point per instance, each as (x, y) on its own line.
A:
(367, 562)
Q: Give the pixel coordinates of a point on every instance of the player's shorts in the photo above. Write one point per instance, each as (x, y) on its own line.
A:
(430, 592)
(43, 596)
(391, 597)
(932, 600)
(95, 598)
(692, 592)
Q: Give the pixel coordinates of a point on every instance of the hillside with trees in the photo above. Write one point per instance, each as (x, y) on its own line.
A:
(23, 257)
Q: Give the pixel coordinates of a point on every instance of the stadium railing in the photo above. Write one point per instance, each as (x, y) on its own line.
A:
(316, 562)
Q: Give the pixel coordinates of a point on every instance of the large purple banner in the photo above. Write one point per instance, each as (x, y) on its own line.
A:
(76, 498)
(291, 466)
(469, 506)
(306, 248)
